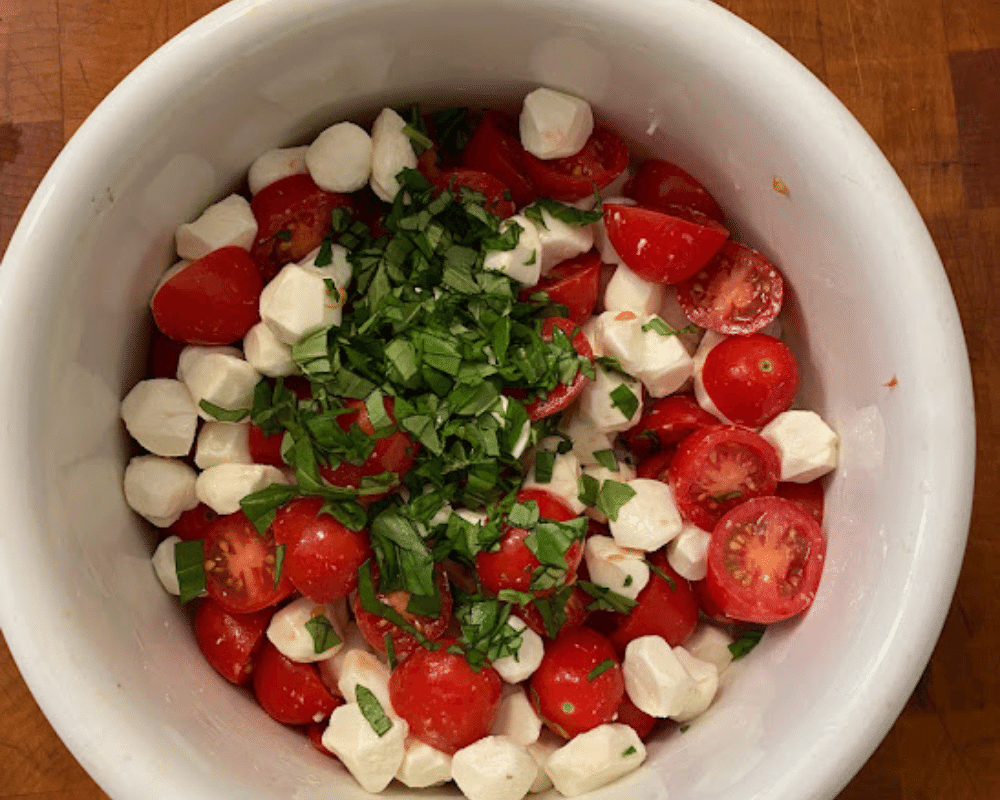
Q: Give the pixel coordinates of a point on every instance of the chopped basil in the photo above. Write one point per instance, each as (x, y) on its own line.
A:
(607, 459)
(659, 326)
(372, 710)
(685, 727)
(224, 414)
(612, 496)
(571, 215)
(657, 571)
(590, 487)
(722, 498)
(624, 399)
(390, 651)
(545, 461)
(323, 635)
(324, 257)
(629, 751)
(189, 561)
(284, 235)
(600, 669)
(279, 563)
(486, 636)
(262, 505)
(747, 642)
(612, 365)
(419, 141)
(606, 599)
(628, 581)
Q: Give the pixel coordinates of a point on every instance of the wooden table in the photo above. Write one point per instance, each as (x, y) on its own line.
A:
(922, 76)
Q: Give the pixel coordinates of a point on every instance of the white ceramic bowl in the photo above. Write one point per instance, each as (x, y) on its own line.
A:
(109, 655)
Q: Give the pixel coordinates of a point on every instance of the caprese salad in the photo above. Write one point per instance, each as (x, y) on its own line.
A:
(474, 446)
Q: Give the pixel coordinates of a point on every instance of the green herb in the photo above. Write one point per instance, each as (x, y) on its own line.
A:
(261, 506)
(684, 728)
(545, 461)
(655, 569)
(722, 498)
(284, 235)
(372, 710)
(606, 599)
(371, 604)
(224, 414)
(629, 751)
(612, 365)
(590, 488)
(189, 561)
(279, 563)
(453, 129)
(612, 496)
(600, 669)
(607, 459)
(628, 581)
(486, 636)
(571, 215)
(659, 326)
(747, 642)
(323, 635)
(324, 257)
(390, 651)
(624, 399)
(419, 141)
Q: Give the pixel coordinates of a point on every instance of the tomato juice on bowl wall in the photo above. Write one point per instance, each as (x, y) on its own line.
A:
(868, 313)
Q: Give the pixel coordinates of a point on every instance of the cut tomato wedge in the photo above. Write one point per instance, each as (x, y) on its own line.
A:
(495, 147)
(574, 283)
(602, 158)
(665, 423)
(660, 184)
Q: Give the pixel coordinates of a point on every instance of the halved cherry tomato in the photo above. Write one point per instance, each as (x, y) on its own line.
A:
(513, 564)
(765, 560)
(562, 395)
(657, 466)
(737, 292)
(579, 684)
(291, 692)
(808, 495)
(574, 612)
(602, 159)
(495, 147)
(240, 566)
(659, 247)
(718, 467)
(164, 353)
(660, 184)
(375, 628)
(446, 703)
(498, 196)
(666, 422)
(213, 300)
(230, 642)
(193, 524)
(666, 607)
(751, 379)
(293, 216)
(574, 283)
(321, 555)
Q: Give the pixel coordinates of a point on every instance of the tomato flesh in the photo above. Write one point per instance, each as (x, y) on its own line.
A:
(602, 158)
(230, 642)
(665, 423)
(751, 379)
(574, 283)
(661, 184)
(291, 692)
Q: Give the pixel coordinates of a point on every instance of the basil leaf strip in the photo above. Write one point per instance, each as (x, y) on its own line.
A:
(189, 561)
(372, 710)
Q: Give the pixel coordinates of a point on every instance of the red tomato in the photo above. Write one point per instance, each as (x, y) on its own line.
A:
(213, 300)
(193, 524)
(638, 720)
(575, 612)
(657, 466)
(375, 628)
(315, 731)
(446, 703)
(765, 560)
(808, 495)
(659, 247)
(707, 605)
(230, 642)
(718, 467)
(164, 353)
(498, 196)
(666, 422)
(291, 692)
(737, 292)
(573, 283)
(751, 379)
(562, 395)
(603, 158)
(321, 555)
(293, 216)
(565, 691)
(512, 566)
(660, 184)
(495, 147)
(665, 608)
(240, 565)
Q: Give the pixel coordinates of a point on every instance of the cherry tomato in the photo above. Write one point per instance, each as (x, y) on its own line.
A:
(562, 395)
(638, 720)
(495, 147)
(765, 560)
(808, 495)
(574, 283)
(375, 628)
(498, 196)
(291, 692)
(574, 612)
(718, 467)
(660, 184)
(751, 379)
(513, 565)
(657, 466)
(193, 524)
(602, 159)
(211, 301)
(164, 353)
(240, 566)
(315, 731)
(579, 684)
(737, 292)
(446, 703)
(230, 642)
(666, 422)
(659, 247)
(293, 216)
(708, 606)
(665, 608)
(321, 555)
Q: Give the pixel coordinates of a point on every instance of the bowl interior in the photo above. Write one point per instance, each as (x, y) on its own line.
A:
(684, 80)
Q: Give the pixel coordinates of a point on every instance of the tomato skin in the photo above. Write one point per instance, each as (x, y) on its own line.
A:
(230, 642)
(751, 379)
(212, 301)
(297, 205)
(638, 720)
(603, 158)
(164, 353)
(666, 422)
(661, 184)
(232, 543)
(737, 292)
(779, 584)
(512, 566)
(562, 395)
(665, 608)
(575, 611)
(445, 702)
(810, 496)
(497, 194)
(656, 467)
(291, 692)
(193, 524)
(718, 467)
(321, 555)
(658, 247)
(495, 147)
(574, 283)
(315, 731)
(564, 697)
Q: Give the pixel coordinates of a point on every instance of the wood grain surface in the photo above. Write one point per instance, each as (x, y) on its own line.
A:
(922, 76)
